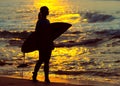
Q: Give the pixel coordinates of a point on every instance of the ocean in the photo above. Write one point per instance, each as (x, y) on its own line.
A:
(89, 50)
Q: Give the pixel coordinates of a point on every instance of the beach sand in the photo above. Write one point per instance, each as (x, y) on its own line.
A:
(15, 81)
(18, 81)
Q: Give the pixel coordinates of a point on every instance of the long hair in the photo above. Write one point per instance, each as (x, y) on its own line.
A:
(44, 11)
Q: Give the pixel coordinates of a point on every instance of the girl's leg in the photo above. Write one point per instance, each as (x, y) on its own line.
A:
(37, 67)
(46, 66)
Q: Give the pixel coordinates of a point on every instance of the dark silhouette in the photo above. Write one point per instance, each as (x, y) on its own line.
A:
(44, 43)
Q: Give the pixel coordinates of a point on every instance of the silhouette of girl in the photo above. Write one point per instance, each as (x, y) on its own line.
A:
(45, 44)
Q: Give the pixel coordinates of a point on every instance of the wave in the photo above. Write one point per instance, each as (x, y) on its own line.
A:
(8, 34)
(100, 38)
(61, 44)
(93, 73)
(24, 34)
(111, 33)
(84, 42)
(93, 17)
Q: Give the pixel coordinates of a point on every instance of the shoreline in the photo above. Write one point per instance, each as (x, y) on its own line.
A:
(6, 80)
(17, 81)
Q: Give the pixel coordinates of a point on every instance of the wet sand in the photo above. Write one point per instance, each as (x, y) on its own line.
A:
(18, 81)
(15, 81)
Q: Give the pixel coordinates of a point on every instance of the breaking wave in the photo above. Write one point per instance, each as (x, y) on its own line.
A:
(96, 17)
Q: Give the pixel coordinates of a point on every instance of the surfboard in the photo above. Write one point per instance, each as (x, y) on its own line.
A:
(30, 44)
(57, 28)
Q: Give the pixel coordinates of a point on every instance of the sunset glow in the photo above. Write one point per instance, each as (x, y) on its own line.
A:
(54, 6)
(57, 9)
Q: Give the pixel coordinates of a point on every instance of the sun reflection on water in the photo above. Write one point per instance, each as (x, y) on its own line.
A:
(54, 6)
(66, 58)
(60, 11)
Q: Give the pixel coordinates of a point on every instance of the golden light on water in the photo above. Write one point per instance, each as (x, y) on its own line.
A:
(71, 52)
(53, 5)
(62, 54)
(60, 11)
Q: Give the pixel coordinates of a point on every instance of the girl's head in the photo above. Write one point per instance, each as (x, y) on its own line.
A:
(44, 10)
